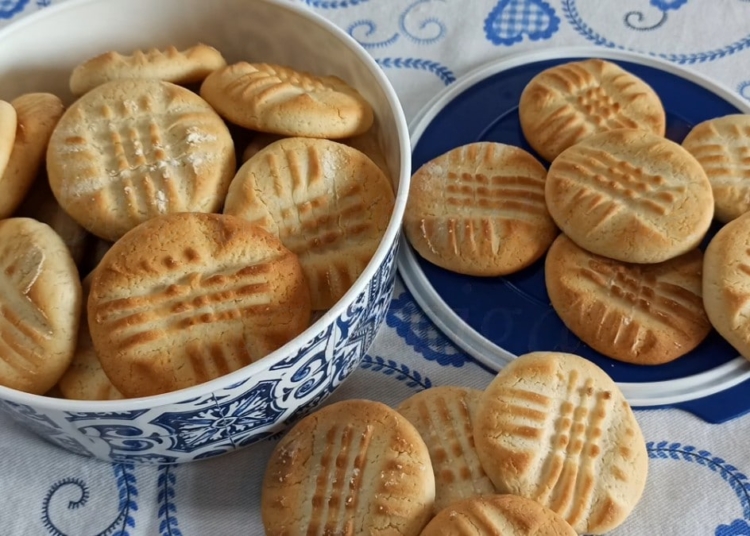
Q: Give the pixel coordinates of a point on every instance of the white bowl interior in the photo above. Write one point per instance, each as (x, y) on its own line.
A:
(38, 53)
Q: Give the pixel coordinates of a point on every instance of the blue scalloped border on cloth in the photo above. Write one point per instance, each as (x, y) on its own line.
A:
(511, 20)
(570, 11)
(412, 325)
(737, 480)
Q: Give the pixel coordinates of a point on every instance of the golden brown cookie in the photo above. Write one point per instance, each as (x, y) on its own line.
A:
(556, 429)
(327, 202)
(130, 150)
(726, 283)
(186, 298)
(497, 515)
(8, 127)
(565, 104)
(443, 417)
(40, 306)
(171, 65)
(722, 146)
(280, 100)
(630, 196)
(353, 467)
(37, 114)
(480, 210)
(85, 379)
(647, 314)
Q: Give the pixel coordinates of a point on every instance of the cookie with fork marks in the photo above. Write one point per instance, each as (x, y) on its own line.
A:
(40, 305)
(280, 100)
(443, 417)
(726, 283)
(354, 467)
(567, 103)
(185, 298)
(327, 202)
(630, 196)
(555, 428)
(479, 209)
(646, 314)
(722, 146)
(131, 150)
(187, 66)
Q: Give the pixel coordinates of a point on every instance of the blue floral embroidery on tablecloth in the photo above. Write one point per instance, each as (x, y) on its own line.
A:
(423, 31)
(666, 5)
(511, 20)
(441, 71)
(399, 371)
(737, 480)
(420, 333)
(127, 494)
(43, 3)
(570, 10)
(11, 8)
(166, 483)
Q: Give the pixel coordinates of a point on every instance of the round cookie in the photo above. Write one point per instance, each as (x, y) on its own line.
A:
(497, 515)
(565, 104)
(328, 203)
(353, 467)
(646, 314)
(8, 127)
(85, 379)
(186, 298)
(40, 306)
(131, 150)
(443, 417)
(37, 114)
(554, 428)
(280, 100)
(480, 210)
(630, 196)
(722, 146)
(726, 283)
(171, 65)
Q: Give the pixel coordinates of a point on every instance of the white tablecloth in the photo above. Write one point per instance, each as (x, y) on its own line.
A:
(697, 483)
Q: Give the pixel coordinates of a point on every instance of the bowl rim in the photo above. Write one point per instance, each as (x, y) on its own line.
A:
(389, 239)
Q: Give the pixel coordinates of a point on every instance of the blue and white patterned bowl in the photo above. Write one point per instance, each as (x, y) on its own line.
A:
(37, 54)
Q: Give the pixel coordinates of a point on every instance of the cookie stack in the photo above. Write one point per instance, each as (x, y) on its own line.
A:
(193, 268)
(549, 448)
(620, 213)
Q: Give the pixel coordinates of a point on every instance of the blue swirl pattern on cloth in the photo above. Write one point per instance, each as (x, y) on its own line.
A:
(573, 16)
(11, 8)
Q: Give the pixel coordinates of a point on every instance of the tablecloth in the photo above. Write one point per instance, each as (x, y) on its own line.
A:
(697, 481)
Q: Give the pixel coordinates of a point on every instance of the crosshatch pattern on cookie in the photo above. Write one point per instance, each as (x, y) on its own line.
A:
(567, 103)
(25, 330)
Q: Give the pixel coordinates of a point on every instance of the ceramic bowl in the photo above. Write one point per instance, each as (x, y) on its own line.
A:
(38, 52)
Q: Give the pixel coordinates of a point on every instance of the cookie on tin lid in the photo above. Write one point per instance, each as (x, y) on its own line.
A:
(567, 103)
(479, 209)
(645, 314)
(631, 196)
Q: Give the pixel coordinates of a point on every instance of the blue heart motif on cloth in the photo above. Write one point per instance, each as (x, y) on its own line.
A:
(666, 5)
(9, 8)
(510, 20)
